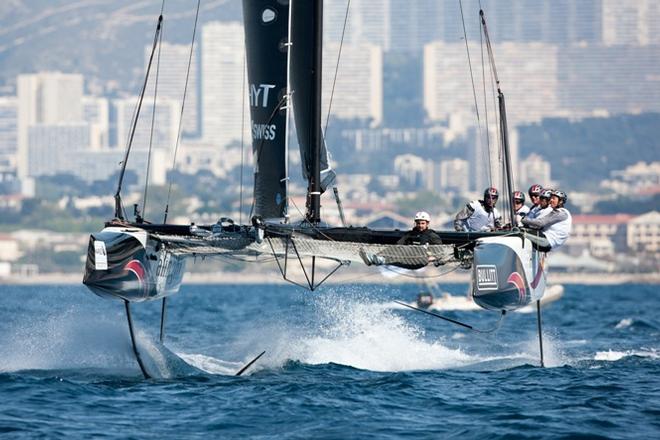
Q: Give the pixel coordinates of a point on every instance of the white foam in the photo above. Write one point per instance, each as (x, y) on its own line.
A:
(361, 334)
(624, 323)
(212, 365)
(554, 355)
(609, 355)
(576, 342)
(613, 356)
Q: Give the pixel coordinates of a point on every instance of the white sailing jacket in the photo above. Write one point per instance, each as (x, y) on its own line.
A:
(475, 218)
(556, 226)
(523, 211)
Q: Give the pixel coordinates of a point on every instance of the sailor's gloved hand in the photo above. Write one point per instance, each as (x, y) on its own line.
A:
(485, 229)
(518, 219)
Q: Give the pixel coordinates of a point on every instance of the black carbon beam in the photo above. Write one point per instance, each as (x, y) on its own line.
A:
(249, 364)
(453, 321)
(311, 283)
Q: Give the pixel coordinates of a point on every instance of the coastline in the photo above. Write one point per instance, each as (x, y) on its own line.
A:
(348, 277)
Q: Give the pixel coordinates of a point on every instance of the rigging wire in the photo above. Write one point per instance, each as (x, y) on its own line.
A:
(183, 104)
(467, 49)
(476, 104)
(334, 81)
(153, 120)
(498, 146)
(119, 214)
(128, 136)
(332, 94)
(506, 179)
(483, 81)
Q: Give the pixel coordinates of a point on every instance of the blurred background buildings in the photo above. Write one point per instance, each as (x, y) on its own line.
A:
(407, 128)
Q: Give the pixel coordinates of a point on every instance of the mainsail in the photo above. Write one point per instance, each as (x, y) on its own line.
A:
(266, 35)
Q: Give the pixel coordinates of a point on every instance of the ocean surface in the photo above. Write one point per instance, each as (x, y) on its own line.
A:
(341, 362)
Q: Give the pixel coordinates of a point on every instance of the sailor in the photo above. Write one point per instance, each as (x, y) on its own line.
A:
(420, 233)
(519, 203)
(534, 195)
(480, 215)
(521, 210)
(554, 228)
(543, 208)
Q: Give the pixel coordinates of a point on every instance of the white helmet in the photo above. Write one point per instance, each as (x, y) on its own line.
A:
(423, 215)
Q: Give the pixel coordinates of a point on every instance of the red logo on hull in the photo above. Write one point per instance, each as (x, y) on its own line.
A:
(517, 280)
(137, 269)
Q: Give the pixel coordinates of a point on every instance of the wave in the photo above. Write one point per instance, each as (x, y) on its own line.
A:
(626, 323)
(613, 356)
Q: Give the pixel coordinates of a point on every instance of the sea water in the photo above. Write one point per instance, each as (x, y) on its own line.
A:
(341, 362)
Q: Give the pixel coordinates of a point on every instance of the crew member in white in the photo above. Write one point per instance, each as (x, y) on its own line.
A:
(543, 208)
(480, 215)
(519, 205)
(553, 228)
(534, 195)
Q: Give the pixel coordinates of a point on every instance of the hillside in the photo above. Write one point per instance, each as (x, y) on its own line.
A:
(102, 39)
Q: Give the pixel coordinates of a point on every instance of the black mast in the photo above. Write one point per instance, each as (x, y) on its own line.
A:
(314, 190)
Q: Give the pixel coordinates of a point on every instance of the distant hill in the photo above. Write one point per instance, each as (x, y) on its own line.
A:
(102, 39)
(584, 152)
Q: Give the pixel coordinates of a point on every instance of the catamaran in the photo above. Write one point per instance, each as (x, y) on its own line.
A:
(134, 260)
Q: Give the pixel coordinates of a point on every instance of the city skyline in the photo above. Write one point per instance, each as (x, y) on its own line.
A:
(403, 126)
(537, 71)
